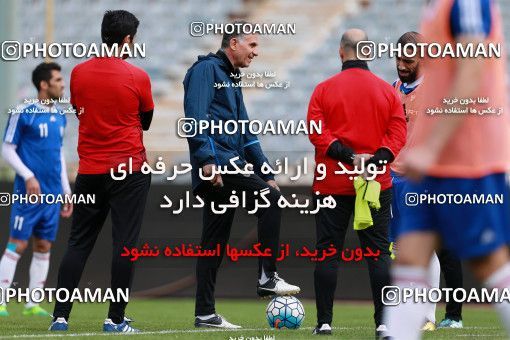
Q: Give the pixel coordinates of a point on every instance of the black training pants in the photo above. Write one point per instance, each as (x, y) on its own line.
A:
(216, 230)
(331, 226)
(126, 200)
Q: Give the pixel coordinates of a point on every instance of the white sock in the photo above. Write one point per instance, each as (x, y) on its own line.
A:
(38, 272)
(500, 280)
(434, 277)
(8, 268)
(205, 317)
(263, 277)
(405, 320)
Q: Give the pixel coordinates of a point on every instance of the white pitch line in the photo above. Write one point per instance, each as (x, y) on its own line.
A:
(208, 330)
(482, 327)
(482, 336)
(168, 331)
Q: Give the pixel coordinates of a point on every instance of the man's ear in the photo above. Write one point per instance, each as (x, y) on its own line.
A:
(127, 39)
(43, 85)
(233, 44)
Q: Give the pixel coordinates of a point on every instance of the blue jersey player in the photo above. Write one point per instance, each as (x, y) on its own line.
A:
(32, 145)
(464, 155)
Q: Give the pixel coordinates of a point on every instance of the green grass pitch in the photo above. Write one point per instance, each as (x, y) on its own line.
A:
(173, 319)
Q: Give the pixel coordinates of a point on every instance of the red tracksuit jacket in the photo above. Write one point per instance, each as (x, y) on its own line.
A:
(361, 111)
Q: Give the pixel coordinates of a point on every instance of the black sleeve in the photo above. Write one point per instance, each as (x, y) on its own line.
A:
(146, 119)
(341, 152)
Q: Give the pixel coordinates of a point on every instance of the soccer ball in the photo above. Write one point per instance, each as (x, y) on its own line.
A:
(285, 312)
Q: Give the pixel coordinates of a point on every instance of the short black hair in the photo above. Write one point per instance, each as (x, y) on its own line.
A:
(236, 32)
(116, 25)
(43, 72)
(411, 37)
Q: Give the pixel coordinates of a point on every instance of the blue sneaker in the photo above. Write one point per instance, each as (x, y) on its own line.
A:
(59, 325)
(123, 327)
(449, 323)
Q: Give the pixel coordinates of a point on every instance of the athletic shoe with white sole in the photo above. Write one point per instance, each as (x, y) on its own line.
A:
(123, 327)
(381, 332)
(449, 323)
(216, 321)
(324, 329)
(276, 286)
(60, 324)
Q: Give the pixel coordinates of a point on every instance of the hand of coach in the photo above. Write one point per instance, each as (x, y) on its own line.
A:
(217, 181)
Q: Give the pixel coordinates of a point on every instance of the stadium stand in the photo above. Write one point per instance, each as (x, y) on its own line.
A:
(303, 60)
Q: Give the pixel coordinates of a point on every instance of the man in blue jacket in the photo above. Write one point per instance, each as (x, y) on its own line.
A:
(203, 101)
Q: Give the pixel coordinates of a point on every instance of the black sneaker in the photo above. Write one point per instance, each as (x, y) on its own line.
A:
(324, 329)
(276, 286)
(216, 321)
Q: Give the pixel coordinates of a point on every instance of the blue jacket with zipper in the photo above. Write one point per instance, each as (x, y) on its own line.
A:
(202, 101)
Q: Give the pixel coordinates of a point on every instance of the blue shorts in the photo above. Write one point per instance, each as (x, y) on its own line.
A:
(472, 216)
(39, 220)
(399, 190)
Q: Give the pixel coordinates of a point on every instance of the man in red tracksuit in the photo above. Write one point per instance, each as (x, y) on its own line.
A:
(362, 118)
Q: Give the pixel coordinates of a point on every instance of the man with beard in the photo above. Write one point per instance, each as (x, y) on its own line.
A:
(462, 155)
(33, 148)
(409, 87)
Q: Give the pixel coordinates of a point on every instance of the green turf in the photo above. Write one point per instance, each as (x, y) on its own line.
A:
(173, 318)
